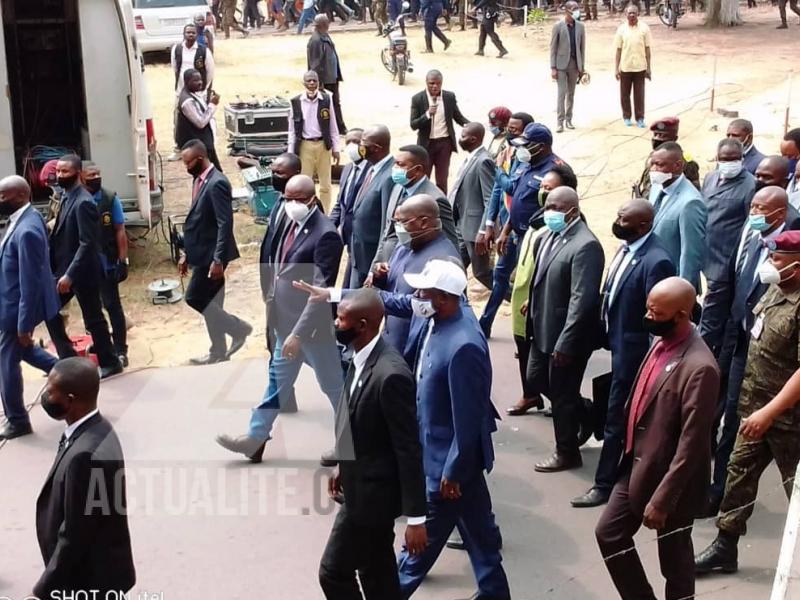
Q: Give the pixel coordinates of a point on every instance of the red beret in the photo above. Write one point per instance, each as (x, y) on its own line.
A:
(500, 114)
(666, 124)
(788, 241)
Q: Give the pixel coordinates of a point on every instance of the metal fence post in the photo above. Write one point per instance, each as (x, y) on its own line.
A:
(783, 572)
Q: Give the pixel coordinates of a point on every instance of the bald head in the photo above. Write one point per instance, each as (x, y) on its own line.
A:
(669, 307)
(300, 187)
(421, 205)
(773, 170)
(71, 390)
(377, 142)
(771, 203)
(634, 220)
(14, 194)
(364, 304)
(563, 199)
(472, 136)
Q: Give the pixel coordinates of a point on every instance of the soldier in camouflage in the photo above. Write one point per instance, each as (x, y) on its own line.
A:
(379, 14)
(229, 19)
(665, 130)
(769, 403)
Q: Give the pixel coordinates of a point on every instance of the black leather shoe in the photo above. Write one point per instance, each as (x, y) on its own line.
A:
(208, 359)
(454, 542)
(479, 53)
(252, 448)
(524, 405)
(447, 44)
(722, 555)
(502, 53)
(238, 341)
(106, 372)
(328, 459)
(558, 462)
(594, 497)
(11, 431)
(479, 596)
(123, 360)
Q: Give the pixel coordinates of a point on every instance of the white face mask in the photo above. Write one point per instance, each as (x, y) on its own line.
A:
(659, 177)
(769, 273)
(523, 154)
(403, 237)
(296, 211)
(422, 308)
(352, 153)
(730, 169)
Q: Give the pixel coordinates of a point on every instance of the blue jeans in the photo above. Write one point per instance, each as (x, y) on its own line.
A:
(473, 514)
(321, 355)
(502, 278)
(306, 18)
(11, 390)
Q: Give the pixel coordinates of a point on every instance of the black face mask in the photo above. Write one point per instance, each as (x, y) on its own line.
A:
(196, 169)
(623, 233)
(94, 185)
(510, 136)
(656, 143)
(760, 185)
(346, 336)
(463, 146)
(6, 209)
(53, 410)
(659, 328)
(279, 183)
(67, 182)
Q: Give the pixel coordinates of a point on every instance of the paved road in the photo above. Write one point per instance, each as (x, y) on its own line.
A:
(206, 525)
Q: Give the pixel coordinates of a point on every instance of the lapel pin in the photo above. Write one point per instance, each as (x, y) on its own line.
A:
(305, 230)
(670, 367)
(634, 261)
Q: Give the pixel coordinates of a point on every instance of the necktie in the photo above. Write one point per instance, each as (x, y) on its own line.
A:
(348, 380)
(288, 241)
(544, 253)
(195, 189)
(659, 200)
(344, 437)
(746, 249)
(611, 277)
(364, 186)
(62, 443)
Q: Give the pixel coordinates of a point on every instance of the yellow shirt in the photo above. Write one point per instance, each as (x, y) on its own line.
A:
(632, 41)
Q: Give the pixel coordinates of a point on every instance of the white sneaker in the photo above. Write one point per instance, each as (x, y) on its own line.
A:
(175, 156)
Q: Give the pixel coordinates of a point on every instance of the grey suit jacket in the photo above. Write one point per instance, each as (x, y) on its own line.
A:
(471, 193)
(564, 301)
(559, 46)
(389, 237)
(369, 217)
(728, 205)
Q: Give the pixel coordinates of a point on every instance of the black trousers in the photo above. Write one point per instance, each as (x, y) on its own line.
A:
(487, 29)
(363, 548)
(523, 353)
(109, 294)
(88, 297)
(207, 296)
(333, 88)
(562, 385)
(635, 80)
(615, 530)
(613, 434)
(251, 17)
(439, 150)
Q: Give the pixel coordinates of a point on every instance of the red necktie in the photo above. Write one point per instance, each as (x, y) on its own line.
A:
(288, 241)
(364, 187)
(196, 188)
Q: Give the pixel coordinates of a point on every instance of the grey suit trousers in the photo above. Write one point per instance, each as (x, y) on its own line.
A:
(567, 80)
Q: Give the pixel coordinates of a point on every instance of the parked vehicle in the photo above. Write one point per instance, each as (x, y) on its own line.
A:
(159, 23)
(396, 57)
(75, 83)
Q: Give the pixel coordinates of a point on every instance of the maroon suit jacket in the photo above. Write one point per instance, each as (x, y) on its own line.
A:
(671, 440)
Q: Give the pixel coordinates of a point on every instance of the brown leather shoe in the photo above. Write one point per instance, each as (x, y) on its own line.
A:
(523, 405)
(558, 462)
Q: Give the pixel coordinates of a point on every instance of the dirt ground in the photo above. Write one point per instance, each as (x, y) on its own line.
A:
(605, 154)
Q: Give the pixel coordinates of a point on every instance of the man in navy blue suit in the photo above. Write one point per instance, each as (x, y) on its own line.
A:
(309, 249)
(28, 297)
(640, 263)
(456, 418)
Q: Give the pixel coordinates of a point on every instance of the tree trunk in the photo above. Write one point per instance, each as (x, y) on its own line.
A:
(723, 13)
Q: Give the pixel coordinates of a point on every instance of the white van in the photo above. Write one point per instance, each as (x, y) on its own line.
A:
(75, 82)
(159, 23)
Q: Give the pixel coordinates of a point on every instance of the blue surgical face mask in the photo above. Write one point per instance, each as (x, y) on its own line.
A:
(556, 221)
(759, 222)
(576, 14)
(399, 175)
(792, 166)
(495, 130)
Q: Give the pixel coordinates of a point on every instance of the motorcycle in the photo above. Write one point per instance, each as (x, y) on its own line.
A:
(669, 11)
(396, 57)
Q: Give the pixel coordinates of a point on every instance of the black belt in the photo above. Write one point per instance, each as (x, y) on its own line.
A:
(317, 139)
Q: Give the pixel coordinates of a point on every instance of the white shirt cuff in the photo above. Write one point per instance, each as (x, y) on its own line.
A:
(489, 223)
(415, 520)
(334, 295)
(427, 114)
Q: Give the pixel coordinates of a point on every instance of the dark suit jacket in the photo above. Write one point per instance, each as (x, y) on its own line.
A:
(671, 454)
(389, 237)
(752, 159)
(386, 479)
(74, 243)
(85, 551)
(318, 52)
(422, 124)
(565, 299)
(342, 213)
(313, 257)
(471, 193)
(28, 291)
(208, 231)
(626, 338)
(728, 206)
(369, 218)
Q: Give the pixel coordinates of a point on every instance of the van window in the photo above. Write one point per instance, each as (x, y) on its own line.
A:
(167, 3)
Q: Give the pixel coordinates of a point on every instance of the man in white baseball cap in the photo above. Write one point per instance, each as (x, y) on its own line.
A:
(450, 359)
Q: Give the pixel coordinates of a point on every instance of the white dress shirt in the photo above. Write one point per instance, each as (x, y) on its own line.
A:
(12, 223)
(625, 258)
(438, 123)
(187, 62)
(762, 258)
(70, 430)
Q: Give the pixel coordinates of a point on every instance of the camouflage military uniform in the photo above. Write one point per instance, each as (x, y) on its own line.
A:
(229, 17)
(379, 13)
(691, 170)
(772, 358)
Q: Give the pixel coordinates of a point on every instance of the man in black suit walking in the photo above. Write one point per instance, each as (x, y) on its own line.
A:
(432, 114)
(208, 247)
(376, 423)
(75, 259)
(81, 519)
(324, 60)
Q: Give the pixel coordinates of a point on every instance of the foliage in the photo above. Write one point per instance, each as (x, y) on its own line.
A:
(537, 16)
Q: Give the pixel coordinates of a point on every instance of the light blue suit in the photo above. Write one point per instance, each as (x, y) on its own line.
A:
(456, 421)
(680, 224)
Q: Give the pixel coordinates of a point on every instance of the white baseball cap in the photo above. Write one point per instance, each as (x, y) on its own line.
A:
(439, 275)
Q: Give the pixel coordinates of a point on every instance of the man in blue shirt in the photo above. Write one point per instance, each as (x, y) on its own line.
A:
(113, 255)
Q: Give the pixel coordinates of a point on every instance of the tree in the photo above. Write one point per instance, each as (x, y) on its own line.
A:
(723, 13)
